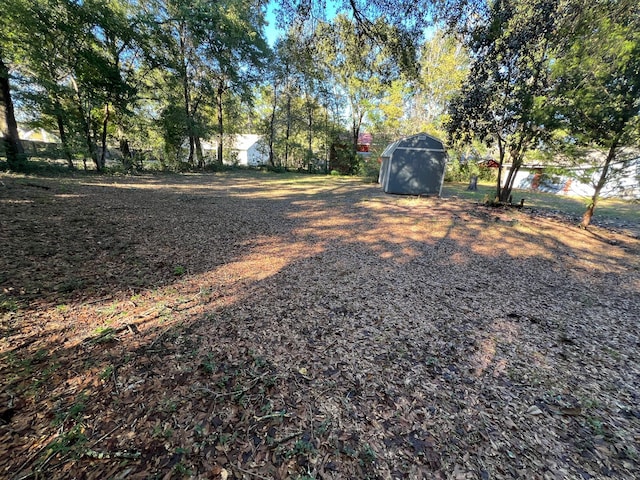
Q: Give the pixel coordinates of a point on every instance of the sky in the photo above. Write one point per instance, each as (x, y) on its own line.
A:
(271, 30)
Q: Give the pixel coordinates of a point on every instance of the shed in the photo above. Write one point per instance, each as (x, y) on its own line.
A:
(413, 166)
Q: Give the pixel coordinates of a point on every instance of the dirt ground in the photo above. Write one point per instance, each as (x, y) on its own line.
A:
(246, 326)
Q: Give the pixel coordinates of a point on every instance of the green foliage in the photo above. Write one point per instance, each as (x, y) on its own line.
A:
(208, 364)
(444, 64)
(179, 270)
(369, 167)
(463, 171)
(597, 90)
(8, 305)
(502, 100)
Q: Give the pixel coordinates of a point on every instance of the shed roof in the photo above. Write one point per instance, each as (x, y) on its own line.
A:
(420, 141)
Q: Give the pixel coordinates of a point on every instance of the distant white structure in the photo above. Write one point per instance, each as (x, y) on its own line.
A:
(579, 180)
(38, 135)
(248, 150)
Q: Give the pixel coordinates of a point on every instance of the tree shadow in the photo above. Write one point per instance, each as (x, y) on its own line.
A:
(330, 313)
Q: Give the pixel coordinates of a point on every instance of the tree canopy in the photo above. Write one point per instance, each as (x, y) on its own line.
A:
(165, 79)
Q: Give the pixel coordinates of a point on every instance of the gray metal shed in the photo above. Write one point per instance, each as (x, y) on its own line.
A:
(413, 166)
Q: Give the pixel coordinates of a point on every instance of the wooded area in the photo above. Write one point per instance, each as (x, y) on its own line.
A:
(550, 80)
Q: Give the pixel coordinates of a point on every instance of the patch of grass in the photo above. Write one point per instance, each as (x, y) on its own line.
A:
(74, 413)
(71, 441)
(62, 308)
(179, 270)
(160, 431)
(103, 335)
(303, 447)
(367, 455)
(615, 354)
(106, 373)
(109, 310)
(182, 469)
(596, 425)
(608, 208)
(45, 375)
(8, 305)
(208, 364)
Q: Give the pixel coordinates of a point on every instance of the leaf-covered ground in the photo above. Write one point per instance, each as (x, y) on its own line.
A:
(265, 327)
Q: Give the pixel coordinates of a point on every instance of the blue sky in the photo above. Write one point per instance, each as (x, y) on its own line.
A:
(271, 31)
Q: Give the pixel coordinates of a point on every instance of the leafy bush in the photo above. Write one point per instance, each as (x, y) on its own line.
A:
(458, 171)
(369, 168)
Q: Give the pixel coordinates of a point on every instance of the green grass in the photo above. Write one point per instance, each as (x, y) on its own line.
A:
(609, 208)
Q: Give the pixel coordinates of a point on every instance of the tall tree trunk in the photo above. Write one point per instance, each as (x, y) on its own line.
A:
(272, 124)
(86, 128)
(103, 139)
(199, 154)
(287, 133)
(611, 155)
(186, 93)
(220, 123)
(355, 130)
(125, 150)
(500, 166)
(8, 125)
(517, 156)
(516, 162)
(310, 131)
(63, 137)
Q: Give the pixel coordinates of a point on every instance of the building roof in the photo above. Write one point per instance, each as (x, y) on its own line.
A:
(245, 141)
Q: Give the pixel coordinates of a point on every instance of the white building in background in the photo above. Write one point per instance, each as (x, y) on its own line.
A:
(248, 150)
(38, 135)
(579, 180)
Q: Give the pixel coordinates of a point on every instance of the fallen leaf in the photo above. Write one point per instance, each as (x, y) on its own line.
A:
(534, 410)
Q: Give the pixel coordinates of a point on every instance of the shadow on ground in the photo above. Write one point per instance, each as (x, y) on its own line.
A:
(283, 327)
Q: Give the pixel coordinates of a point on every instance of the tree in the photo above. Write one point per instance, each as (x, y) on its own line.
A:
(8, 125)
(597, 78)
(503, 100)
(214, 48)
(11, 143)
(236, 54)
(360, 67)
(444, 64)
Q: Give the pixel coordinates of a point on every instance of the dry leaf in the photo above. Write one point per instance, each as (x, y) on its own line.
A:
(534, 410)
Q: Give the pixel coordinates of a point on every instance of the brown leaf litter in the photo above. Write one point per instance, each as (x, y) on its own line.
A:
(249, 326)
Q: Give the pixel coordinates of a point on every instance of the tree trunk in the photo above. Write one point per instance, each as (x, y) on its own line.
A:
(186, 94)
(86, 127)
(287, 131)
(611, 155)
(220, 123)
(310, 131)
(87, 136)
(125, 150)
(500, 166)
(199, 154)
(357, 123)
(63, 137)
(8, 125)
(272, 125)
(508, 184)
(103, 139)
